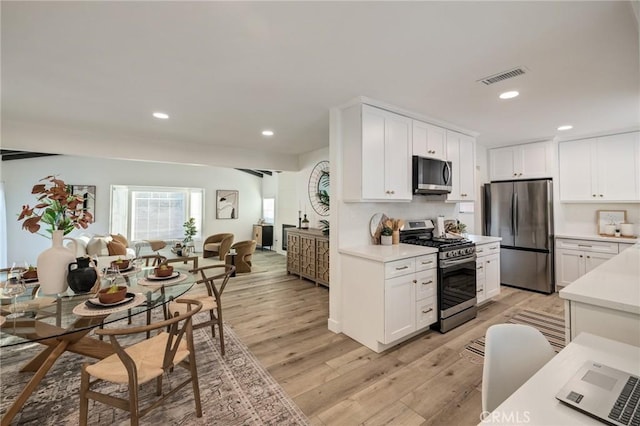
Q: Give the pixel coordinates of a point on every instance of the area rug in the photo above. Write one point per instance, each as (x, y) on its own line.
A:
(551, 326)
(235, 390)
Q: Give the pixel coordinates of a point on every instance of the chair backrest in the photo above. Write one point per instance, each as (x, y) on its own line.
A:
(152, 259)
(178, 326)
(210, 274)
(513, 353)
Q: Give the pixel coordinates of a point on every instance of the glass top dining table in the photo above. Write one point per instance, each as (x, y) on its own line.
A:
(63, 323)
(44, 317)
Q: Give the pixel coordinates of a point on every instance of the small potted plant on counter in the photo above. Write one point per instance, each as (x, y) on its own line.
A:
(386, 236)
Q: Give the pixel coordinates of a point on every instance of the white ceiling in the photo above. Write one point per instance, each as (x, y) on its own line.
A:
(224, 71)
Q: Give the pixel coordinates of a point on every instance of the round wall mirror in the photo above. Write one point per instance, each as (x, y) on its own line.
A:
(319, 188)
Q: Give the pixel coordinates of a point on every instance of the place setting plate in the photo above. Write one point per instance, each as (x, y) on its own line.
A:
(152, 280)
(93, 306)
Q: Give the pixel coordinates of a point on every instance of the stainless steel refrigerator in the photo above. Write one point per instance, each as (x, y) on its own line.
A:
(521, 212)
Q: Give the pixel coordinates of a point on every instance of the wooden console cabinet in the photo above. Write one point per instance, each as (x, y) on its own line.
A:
(308, 255)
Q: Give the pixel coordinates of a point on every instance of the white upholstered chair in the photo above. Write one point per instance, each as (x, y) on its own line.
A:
(513, 353)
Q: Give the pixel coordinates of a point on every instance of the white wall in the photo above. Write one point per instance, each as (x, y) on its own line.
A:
(20, 176)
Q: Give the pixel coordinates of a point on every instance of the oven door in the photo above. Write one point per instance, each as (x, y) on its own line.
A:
(456, 285)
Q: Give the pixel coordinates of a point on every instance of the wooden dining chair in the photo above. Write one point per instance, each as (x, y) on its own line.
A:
(215, 279)
(152, 259)
(144, 361)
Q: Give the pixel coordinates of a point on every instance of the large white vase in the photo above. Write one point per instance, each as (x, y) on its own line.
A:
(52, 266)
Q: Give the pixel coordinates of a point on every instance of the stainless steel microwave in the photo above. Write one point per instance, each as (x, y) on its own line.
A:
(431, 176)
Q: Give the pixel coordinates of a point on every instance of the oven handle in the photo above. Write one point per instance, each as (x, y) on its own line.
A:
(453, 262)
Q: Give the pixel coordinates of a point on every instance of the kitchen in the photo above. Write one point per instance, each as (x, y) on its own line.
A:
(361, 124)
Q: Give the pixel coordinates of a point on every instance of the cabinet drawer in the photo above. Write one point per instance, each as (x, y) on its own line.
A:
(426, 312)
(487, 249)
(399, 267)
(427, 261)
(426, 284)
(584, 245)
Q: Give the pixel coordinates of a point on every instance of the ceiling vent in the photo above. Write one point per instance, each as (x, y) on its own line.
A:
(503, 76)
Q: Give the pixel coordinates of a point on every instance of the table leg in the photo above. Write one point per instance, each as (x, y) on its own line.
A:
(33, 383)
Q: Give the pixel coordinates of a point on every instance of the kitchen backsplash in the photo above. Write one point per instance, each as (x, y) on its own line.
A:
(580, 219)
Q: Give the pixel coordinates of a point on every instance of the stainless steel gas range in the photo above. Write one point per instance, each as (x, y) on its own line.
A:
(456, 272)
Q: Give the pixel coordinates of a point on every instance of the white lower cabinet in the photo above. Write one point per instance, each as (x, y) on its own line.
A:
(386, 302)
(487, 271)
(574, 258)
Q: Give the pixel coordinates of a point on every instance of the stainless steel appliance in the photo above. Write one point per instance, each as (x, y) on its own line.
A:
(521, 213)
(456, 273)
(431, 176)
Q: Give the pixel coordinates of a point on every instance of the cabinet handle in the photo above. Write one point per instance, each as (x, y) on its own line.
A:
(580, 255)
(588, 257)
(393, 192)
(493, 248)
(519, 174)
(515, 174)
(428, 282)
(593, 195)
(427, 311)
(488, 261)
(479, 267)
(601, 195)
(415, 281)
(426, 263)
(479, 291)
(402, 267)
(584, 245)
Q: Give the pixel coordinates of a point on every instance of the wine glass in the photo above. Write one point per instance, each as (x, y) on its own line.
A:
(13, 287)
(111, 275)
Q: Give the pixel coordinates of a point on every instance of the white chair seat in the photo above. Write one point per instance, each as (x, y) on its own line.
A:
(147, 356)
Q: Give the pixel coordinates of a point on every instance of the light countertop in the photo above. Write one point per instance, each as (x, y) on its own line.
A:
(483, 239)
(615, 284)
(387, 253)
(596, 237)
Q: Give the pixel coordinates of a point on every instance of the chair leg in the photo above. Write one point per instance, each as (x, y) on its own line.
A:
(213, 325)
(194, 383)
(84, 402)
(159, 385)
(220, 330)
(133, 404)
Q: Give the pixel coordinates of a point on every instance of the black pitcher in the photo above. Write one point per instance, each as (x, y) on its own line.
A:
(81, 277)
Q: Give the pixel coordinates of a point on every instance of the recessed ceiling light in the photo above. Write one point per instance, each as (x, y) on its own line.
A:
(267, 133)
(565, 127)
(509, 95)
(161, 115)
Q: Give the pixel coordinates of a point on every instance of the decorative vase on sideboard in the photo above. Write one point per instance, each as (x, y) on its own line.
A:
(53, 264)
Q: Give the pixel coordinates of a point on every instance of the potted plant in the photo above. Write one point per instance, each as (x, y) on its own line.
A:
(62, 212)
(386, 236)
(189, 232)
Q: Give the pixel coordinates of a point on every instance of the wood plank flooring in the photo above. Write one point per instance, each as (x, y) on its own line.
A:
(337, 381)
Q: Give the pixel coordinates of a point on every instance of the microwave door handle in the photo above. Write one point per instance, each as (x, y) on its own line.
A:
(446, 173)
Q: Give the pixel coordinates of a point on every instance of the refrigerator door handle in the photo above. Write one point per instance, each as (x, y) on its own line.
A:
(513, 210)
(515, 213)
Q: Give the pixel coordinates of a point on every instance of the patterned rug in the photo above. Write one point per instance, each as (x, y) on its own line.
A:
(551, 326)
(234, 389)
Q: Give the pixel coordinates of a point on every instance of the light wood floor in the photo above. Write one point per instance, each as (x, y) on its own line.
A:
(337, 381)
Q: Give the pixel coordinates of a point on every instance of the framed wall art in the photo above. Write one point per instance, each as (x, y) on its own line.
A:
(610, 218)
(88, 193)
(227, 204)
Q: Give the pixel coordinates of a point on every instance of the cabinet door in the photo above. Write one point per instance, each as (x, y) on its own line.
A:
(570, 266)
(461, 153)
(322, 261)
(492, 276)
(533, 160)
(293, 253)
(386, 155)
(480, 280)
(397, 153)
(399, 307)
(308, 257)
(618, 158)
(257, 234)
(501, 164)
(428, 140)
(593, 260)
(576, 171)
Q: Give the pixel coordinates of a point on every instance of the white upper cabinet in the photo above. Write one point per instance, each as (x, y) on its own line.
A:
(605, 169)
(528, 161)
(461, 151)
(376, 154)
(429, 140)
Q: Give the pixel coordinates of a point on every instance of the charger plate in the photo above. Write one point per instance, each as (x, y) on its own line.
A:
(82, 310)
(159, 283)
